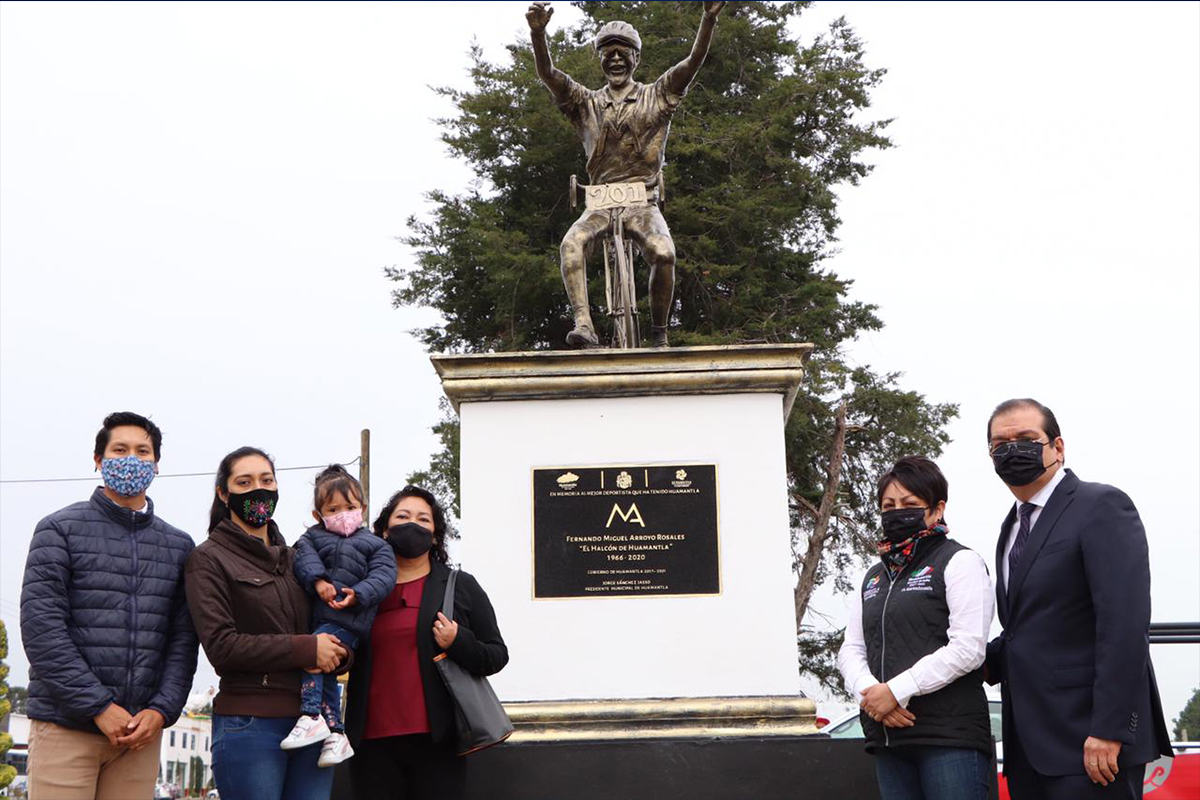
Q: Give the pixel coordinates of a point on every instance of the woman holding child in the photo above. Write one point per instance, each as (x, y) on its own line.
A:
(253, 618)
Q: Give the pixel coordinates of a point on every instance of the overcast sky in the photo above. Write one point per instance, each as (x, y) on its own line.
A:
(197, 201)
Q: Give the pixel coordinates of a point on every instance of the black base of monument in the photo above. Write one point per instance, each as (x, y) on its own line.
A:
(796, 768)
(791, 767)
(723, 748)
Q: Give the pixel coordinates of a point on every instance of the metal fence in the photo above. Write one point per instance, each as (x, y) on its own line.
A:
(1175, 633)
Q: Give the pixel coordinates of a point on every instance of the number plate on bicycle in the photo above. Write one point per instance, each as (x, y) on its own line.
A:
(614, 195)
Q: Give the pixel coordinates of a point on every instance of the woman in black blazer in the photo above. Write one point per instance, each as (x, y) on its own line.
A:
(399, 716)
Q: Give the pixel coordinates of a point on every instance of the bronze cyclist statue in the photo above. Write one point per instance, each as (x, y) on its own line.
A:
(624, 127)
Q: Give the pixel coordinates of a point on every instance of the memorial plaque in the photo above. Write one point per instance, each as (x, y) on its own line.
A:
(622, 531)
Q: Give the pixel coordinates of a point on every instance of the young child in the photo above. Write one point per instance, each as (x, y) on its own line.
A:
(351, 571)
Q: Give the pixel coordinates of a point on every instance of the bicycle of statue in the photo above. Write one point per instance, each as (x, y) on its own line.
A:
(619, 294)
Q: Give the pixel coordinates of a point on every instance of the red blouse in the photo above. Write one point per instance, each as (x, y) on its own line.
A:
(396, 700)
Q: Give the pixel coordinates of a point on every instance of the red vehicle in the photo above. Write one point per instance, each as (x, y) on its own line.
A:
(1175, 778)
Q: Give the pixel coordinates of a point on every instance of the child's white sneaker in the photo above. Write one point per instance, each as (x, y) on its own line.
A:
(308, 730)
(335, 750)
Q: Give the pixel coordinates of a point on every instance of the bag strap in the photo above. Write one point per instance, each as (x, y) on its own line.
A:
(448, 600)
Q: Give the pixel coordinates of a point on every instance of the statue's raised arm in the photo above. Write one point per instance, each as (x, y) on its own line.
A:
(681, 75)
(557, 81)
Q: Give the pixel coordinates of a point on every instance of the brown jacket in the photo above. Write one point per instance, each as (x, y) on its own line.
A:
(252, 618)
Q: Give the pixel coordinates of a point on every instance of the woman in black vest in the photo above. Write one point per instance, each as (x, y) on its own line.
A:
(915, 645)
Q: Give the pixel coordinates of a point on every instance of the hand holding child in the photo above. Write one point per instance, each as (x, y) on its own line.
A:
(330, 652)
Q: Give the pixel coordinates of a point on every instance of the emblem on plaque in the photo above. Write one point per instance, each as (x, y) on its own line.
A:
(568, 480)
(624, 480)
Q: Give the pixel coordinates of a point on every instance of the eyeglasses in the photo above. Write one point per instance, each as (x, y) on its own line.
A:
(996, 448)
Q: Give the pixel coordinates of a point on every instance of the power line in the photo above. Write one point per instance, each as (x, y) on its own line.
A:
(350, 463)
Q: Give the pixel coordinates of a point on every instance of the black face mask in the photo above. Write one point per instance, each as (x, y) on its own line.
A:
(410, 540)
(1018, 463)
(255, 508)
(902, 523)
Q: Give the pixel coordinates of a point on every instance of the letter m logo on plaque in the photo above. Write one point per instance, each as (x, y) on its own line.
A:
(632, 515)
(625, 530)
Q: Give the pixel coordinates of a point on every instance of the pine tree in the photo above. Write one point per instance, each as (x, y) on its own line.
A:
(1187, 724)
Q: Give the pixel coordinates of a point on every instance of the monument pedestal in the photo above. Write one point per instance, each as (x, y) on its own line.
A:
(627, 513)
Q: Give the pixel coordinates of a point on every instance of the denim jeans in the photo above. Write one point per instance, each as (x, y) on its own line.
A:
(319, 692)
(248, 764)
(926, 772)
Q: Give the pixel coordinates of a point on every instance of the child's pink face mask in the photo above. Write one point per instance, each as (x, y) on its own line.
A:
(344, 523)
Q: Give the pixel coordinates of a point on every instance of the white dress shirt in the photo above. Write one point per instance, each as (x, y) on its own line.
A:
(1040, 499)
(971, 598)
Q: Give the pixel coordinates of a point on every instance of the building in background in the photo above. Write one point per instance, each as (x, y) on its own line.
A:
(185, 760)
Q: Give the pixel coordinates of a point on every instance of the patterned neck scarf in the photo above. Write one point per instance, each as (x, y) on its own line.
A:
(897, 555)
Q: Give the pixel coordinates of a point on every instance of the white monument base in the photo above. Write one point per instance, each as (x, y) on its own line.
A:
(705, 405)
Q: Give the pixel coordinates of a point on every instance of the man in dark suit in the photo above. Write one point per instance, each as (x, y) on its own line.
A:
(1082, 716)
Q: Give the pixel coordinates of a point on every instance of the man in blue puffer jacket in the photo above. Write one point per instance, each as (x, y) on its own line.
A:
(106, 628)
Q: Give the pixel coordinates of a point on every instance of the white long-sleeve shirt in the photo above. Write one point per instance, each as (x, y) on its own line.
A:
(971, 598)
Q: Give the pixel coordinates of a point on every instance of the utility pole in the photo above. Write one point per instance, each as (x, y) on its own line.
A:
(364, 470)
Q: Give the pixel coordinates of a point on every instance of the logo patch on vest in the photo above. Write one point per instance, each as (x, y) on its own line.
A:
(920, 580)
(872, 588)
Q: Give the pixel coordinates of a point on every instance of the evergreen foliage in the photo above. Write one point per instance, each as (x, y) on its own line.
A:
(441, 477)
(195, 776)
(7, 771)
(769, 130)
(1187, 724)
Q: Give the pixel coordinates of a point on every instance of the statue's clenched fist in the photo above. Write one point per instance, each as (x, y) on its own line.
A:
(539, 15)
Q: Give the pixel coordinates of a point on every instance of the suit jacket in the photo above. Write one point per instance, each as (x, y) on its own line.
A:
(1074, 658)
(478, 648)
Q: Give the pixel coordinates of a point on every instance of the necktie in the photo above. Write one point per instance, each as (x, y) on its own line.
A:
(1025, 512)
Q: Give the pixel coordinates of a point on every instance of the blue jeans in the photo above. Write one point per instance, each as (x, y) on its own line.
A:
(319, 692)
(926, 772)
(247, 763)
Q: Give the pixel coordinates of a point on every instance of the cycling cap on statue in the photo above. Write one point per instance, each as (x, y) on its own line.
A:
(618, 32)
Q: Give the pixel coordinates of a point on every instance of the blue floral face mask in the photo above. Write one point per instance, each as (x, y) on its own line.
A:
(127, 476)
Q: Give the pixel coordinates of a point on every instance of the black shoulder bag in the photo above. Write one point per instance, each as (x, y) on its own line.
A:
(479, 717)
